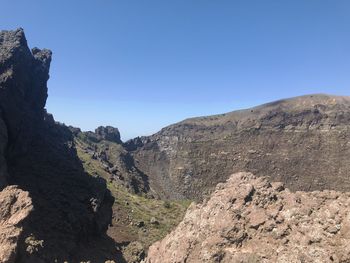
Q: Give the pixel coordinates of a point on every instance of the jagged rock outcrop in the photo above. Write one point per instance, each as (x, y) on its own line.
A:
(248, 219)
(39, 156)
(102, 133)
(105, 146)
(15, 206)
(303, 142)
(108, 133)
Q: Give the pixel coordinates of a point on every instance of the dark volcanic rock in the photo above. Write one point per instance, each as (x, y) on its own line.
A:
(303, 142)
(108, 133)
(102, 133)
(39, 156)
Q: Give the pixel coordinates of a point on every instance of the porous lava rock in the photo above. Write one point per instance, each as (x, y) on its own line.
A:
(248, 219)
(15, 206)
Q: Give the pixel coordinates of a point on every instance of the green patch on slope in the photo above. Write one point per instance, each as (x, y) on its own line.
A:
(135, 217)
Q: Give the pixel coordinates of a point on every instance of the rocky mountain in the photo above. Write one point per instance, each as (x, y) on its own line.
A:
(73, 196)
(105, 146)
(69, 207)
(303, 142)
(138, 219)
(248, 219)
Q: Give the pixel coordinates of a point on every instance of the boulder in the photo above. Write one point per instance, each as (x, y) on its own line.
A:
(247, 219)
(15, 206)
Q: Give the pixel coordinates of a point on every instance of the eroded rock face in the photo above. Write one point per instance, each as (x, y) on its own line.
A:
(108, 133)
(247, 219)
(105, 146)
(39, 156)
(303, 142)
(101, 133)
(15, 206)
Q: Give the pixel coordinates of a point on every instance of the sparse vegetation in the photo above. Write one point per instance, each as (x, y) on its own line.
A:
(33, 245)
(158, 217)
(167, 204)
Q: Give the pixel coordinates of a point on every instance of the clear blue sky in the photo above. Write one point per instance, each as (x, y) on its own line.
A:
(140, 65)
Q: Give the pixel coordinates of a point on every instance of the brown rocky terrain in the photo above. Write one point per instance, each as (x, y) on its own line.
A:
(303, 142)
(15, 206)
(248, 219)
(70, 208)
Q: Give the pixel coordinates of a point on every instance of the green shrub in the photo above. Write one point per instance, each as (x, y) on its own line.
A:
(167, 204)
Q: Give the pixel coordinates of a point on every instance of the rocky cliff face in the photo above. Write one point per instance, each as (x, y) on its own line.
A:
(105, 146)
(303, 142)
(247, 219)
(39, 156)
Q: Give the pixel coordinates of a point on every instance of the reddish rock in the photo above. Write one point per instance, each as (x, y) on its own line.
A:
(15, 206)
(247, 219)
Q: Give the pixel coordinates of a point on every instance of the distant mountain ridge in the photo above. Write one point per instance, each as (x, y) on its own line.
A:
(303, 142)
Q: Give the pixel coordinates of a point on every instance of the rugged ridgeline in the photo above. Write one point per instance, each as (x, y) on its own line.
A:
(105, 146)
(303, 142)
(138, 219)
(248, 220)
(63, 207)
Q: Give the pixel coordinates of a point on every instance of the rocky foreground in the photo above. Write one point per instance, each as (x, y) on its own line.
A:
(15, 206)
(248, 219)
